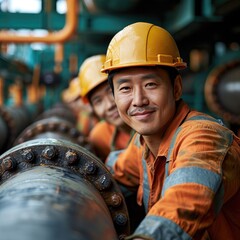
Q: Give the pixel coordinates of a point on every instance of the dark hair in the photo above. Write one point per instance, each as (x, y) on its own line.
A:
(110, 79)
(172, 72)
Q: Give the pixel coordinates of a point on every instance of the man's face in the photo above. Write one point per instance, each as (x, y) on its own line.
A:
(104, 105)
(146, 98)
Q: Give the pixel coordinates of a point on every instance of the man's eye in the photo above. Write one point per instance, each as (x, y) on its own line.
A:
(124, 89)
(151, 84)
(97, 101)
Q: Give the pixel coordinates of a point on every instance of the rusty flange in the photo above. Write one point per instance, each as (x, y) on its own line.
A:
(62, 153)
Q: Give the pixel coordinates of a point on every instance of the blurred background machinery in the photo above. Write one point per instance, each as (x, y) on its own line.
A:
(43, 43)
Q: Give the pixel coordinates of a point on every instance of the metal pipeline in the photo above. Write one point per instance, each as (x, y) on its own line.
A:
(53, 189)
(58, 122)
(53, 127)
(59, 110)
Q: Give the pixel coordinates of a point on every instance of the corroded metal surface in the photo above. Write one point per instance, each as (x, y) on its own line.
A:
(60, 187)
(53, 203)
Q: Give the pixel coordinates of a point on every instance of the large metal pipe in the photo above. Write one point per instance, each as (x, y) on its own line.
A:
(53, 203)
(59, 110)
(58, 122)
(53, 189)
(53, 127)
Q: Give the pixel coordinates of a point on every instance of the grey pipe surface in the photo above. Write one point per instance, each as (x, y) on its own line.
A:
(46, 203)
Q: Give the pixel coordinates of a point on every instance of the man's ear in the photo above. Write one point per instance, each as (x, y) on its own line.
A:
(177, 87)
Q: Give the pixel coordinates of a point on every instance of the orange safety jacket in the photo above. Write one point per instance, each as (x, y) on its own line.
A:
(191, 190)
(105, 138)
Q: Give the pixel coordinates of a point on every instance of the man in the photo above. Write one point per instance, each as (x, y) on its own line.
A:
(188, 163)
(111, 133)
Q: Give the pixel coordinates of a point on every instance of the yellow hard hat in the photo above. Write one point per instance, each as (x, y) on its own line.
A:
(142, 44)
(90, 75)
(72, 92)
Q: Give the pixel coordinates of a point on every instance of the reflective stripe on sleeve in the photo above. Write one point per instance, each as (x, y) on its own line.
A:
(146, 189)
(193, 175)
(206, 118)
(160, 228)
(171, 149)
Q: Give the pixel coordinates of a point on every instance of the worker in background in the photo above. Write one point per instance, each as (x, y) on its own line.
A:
(111, 133)
(189, 171)
(86, 119)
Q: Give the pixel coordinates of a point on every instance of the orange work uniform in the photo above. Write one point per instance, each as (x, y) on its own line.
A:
(105, 138)
(191, 190)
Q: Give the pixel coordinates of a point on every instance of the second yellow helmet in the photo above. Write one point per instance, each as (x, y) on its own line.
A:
(90, 75)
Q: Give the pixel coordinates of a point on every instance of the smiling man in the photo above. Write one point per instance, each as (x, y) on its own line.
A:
(110, 133)
(188, 162)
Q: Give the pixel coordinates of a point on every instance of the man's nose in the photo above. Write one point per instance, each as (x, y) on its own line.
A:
(139, 97)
